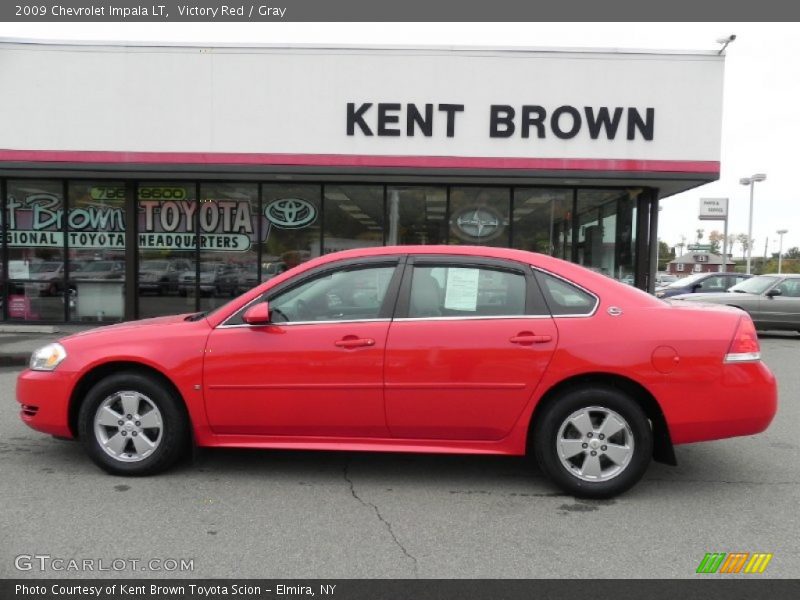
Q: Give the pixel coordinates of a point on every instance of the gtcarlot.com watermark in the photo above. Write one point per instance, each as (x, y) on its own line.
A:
(46, 562)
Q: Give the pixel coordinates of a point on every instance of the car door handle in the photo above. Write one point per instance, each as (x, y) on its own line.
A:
(526, 338)
(351, 341)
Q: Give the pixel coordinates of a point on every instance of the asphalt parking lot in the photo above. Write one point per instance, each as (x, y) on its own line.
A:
(340, 515)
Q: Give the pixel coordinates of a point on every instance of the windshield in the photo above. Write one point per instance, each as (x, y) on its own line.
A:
(756, 285)
(209, 267)
(687, 281)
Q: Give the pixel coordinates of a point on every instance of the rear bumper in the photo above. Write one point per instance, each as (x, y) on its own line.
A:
(743, 402)
(44, 400)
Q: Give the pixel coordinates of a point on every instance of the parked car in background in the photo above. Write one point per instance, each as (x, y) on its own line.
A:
(100, 270)
(664, 279)
(248, 275)
(161, 276)
(441, 349)
(49, 276)
(701, 283)
(216, 279)
(772, 301)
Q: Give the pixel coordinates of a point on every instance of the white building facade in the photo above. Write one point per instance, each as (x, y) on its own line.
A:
(139, 180)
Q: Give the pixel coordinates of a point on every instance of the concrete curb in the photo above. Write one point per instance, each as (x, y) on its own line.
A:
(14, 360)
(23, 328)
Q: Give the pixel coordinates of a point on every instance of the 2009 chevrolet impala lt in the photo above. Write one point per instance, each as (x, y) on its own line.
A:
(468, 350)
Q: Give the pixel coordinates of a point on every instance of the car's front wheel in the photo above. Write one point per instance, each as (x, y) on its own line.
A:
(593, 442)
(130, 424)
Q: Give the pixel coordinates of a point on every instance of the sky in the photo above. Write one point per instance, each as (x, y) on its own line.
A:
(761, 106)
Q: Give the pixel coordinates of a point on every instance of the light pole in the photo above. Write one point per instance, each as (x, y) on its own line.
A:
(780, 232)
(751, 182)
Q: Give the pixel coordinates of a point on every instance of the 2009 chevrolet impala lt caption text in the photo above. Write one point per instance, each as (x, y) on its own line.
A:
(469, 350)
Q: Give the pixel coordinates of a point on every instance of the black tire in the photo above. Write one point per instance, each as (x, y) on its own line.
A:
(556, 413)
(174, 424)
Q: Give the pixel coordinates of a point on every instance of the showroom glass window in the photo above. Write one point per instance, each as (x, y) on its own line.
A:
(166, 214)
(541, 216)
(353, 217)
(228, 223)
(290, 226)
(480, 216)
(625, 235)
(416, 215)
(35, 221)
(605, 239)
(96, 251)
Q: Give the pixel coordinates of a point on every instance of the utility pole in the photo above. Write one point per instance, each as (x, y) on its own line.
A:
(780, 232)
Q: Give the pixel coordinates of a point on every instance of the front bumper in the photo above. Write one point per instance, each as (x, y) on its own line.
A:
(44, 399)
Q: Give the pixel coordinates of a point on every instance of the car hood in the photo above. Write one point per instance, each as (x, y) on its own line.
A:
(716, 298)
(129, 325)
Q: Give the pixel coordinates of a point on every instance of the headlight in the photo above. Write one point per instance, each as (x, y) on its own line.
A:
(660, 294)
(48, 357)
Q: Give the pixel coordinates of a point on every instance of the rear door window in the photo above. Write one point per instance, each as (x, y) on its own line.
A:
(451, 291)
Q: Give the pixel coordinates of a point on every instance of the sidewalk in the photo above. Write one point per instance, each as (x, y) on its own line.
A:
(18, 341)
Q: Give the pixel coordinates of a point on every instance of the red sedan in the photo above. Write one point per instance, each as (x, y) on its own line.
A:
(468, 350)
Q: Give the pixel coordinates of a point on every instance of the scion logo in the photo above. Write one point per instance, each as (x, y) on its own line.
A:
(290, 213)
(478, 224)
(734, 562)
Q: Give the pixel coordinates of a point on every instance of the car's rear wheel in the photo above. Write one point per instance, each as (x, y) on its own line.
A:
(593, 442)
(130, 424)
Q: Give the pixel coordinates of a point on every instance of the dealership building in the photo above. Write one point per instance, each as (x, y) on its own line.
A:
(139, 180)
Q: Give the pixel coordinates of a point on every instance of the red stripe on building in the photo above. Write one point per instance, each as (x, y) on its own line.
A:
(361, 160)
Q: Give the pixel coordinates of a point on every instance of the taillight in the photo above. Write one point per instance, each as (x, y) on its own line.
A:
(745, 346)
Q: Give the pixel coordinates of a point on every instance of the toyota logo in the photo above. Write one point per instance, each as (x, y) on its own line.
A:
(478, 224)
(290, 213)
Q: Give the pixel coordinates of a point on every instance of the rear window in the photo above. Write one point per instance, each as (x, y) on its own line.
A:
(564, 298)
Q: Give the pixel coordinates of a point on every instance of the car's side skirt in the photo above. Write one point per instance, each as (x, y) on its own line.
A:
(502, 447)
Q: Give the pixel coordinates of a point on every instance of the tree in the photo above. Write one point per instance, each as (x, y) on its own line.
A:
(665, 254)
(700, 235)
(793, 252)
(715, 238)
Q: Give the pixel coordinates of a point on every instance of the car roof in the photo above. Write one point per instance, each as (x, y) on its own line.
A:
(522, 256)
(558, 266)
(596, 282)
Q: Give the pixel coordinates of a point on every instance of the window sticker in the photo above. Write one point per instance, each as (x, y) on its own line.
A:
(462, 289)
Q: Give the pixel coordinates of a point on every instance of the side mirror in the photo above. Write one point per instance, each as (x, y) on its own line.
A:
(697, 286)
(258, 314)
(774, 292)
